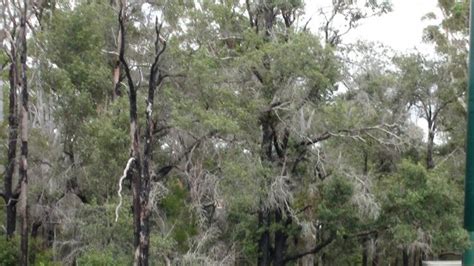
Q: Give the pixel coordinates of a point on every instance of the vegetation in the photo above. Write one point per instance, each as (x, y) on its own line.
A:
(227, 133)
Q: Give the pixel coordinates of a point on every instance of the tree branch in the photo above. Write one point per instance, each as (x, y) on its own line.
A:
(314, 250)
(350, 133)
(164, 170)
(122, 51)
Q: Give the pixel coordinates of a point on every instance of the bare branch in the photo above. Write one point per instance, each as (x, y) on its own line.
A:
(122, 51)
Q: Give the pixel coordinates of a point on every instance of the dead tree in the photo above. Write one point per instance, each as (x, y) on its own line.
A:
(140, 170)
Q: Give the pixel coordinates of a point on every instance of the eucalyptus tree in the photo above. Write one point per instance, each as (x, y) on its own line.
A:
(245, 138)
(449, 33)
(282, 74)
(427, 85)
(15, 16)
(10, 194)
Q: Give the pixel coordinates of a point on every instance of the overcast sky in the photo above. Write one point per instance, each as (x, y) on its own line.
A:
(401, 29)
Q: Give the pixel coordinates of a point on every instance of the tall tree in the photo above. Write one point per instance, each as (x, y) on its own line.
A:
(23, 171)
(140, 171)
(10, 194)
(426, 83)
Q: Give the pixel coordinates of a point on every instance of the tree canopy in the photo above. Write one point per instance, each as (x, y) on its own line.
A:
(227, 133)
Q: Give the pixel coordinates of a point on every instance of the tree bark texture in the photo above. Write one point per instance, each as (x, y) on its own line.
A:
(9, 194)
(23, 171)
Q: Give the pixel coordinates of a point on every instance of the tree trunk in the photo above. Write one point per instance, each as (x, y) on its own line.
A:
(280, 239)
(154, 81)
(365, 252)
(406, 257)
(9, 197)
(375, 259)
(135, 168)
(429, 151)
(264, 245)
(24, 144)
(34, 234)
(365, 241)
(430, 145)
(135, 171)
(116, 71)
(141, 172)
(264, 219)
(136, 176)
(415, 257)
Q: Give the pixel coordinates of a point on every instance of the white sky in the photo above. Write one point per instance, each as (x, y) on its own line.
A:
(400, 29)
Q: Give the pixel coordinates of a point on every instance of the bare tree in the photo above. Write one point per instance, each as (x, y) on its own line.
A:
(140, 170)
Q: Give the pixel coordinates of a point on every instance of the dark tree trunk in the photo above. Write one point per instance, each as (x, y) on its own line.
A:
(280, 239)
(9, 195)
(406, 257)
(366, 162)
(429, 150)
(375, 260)
(422, 257)
(135, 168)
(24, 144)
(155, 80)
(365, 252)
(430, 142)
(264, 245)
(415, 257)
(269, 17)
(365, 241)
(34, 234)
(141, 168)
(264, 219)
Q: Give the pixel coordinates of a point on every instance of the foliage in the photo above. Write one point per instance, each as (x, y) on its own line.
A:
(261, 127)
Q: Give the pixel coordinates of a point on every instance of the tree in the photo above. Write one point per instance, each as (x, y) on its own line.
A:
(10, 194)
(24, 259)
(18, 78)
(246, 138)
(407, 212)
(428, 87)
(140, 172)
